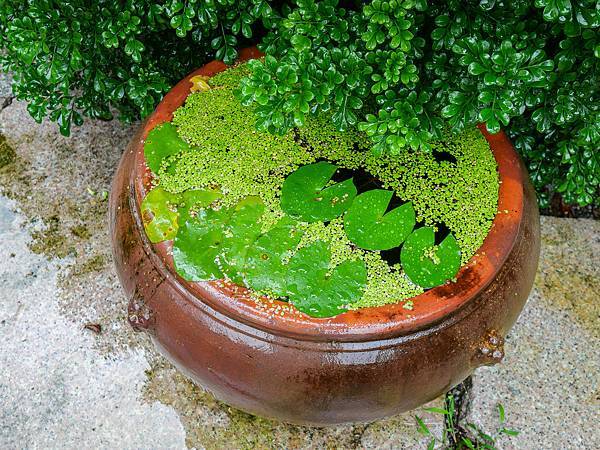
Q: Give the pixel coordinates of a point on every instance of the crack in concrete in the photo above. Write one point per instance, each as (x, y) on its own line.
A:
(7, 102)
(462, 403)
(358, 431)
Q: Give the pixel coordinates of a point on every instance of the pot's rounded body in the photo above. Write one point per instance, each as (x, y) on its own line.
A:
(358, 366)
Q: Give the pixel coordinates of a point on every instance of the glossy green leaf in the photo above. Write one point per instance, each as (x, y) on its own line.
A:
(239, 233)
(304, 195)
(159, 214)
(162, 141)
(161, 210)
(422, 428)
(300, 42)
(194, 199)
(318, 294)
(198, 243)
(213, 242)
(369, 227)
(266, 261)
(426, 264)
(501, 414)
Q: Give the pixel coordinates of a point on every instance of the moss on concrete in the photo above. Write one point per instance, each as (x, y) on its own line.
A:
(81, 231)
(7, 153)
(569, 276)
(50, 240)
(455, 185)
(93, 264)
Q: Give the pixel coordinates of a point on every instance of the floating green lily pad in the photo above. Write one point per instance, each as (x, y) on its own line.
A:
(316, 294)
(304, 196)
(162, 141)
(367, 225)
(198, 243)
(194, 199)
(426, 264)
(239, 233)
(159, 214)
(266, 268)
(160, 210)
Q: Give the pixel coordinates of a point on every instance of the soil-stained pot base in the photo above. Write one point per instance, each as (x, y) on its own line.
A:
(356, 367)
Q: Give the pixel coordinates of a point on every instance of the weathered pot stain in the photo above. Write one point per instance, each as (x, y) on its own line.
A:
(490, 349)
(468, 276)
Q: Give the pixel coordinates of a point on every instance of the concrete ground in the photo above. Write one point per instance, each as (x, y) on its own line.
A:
(63, 385)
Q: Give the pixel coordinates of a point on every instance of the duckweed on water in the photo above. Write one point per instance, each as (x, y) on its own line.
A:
(455, 185)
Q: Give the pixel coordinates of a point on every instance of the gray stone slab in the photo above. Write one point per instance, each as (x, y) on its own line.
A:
(5, 89)
(549, 382)
(56, 391)
(5, 82)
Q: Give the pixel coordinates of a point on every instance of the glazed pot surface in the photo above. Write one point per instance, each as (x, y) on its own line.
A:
(358, 366)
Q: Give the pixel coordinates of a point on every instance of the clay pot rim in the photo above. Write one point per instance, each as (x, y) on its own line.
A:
(366, 324)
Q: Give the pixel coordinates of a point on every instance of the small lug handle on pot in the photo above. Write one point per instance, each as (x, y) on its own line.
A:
(139, 314)
(490, 349)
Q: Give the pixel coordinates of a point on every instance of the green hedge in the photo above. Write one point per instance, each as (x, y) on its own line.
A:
(402, 71)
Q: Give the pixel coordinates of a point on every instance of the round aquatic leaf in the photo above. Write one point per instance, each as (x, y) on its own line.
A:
(239, 233)
(194, 199)
(159, 214)
(198, 243)
(308, 265)
(367, 225)
(162, 141)
(266, 268)
(426, 264)
(304, 196)
(160, 210)
(315, 293)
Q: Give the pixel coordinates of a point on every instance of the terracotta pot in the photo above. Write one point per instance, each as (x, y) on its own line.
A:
(358, 366)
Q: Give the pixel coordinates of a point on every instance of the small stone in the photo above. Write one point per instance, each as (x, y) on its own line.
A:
(94, 327)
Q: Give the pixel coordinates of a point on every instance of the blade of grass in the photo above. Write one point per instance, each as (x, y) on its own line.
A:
(422, 427)
(468, 443)
(437, 410)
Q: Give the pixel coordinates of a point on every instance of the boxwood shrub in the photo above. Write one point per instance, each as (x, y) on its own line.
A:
(402, 71)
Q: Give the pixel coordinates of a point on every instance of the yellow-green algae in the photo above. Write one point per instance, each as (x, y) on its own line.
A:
(228, 153)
